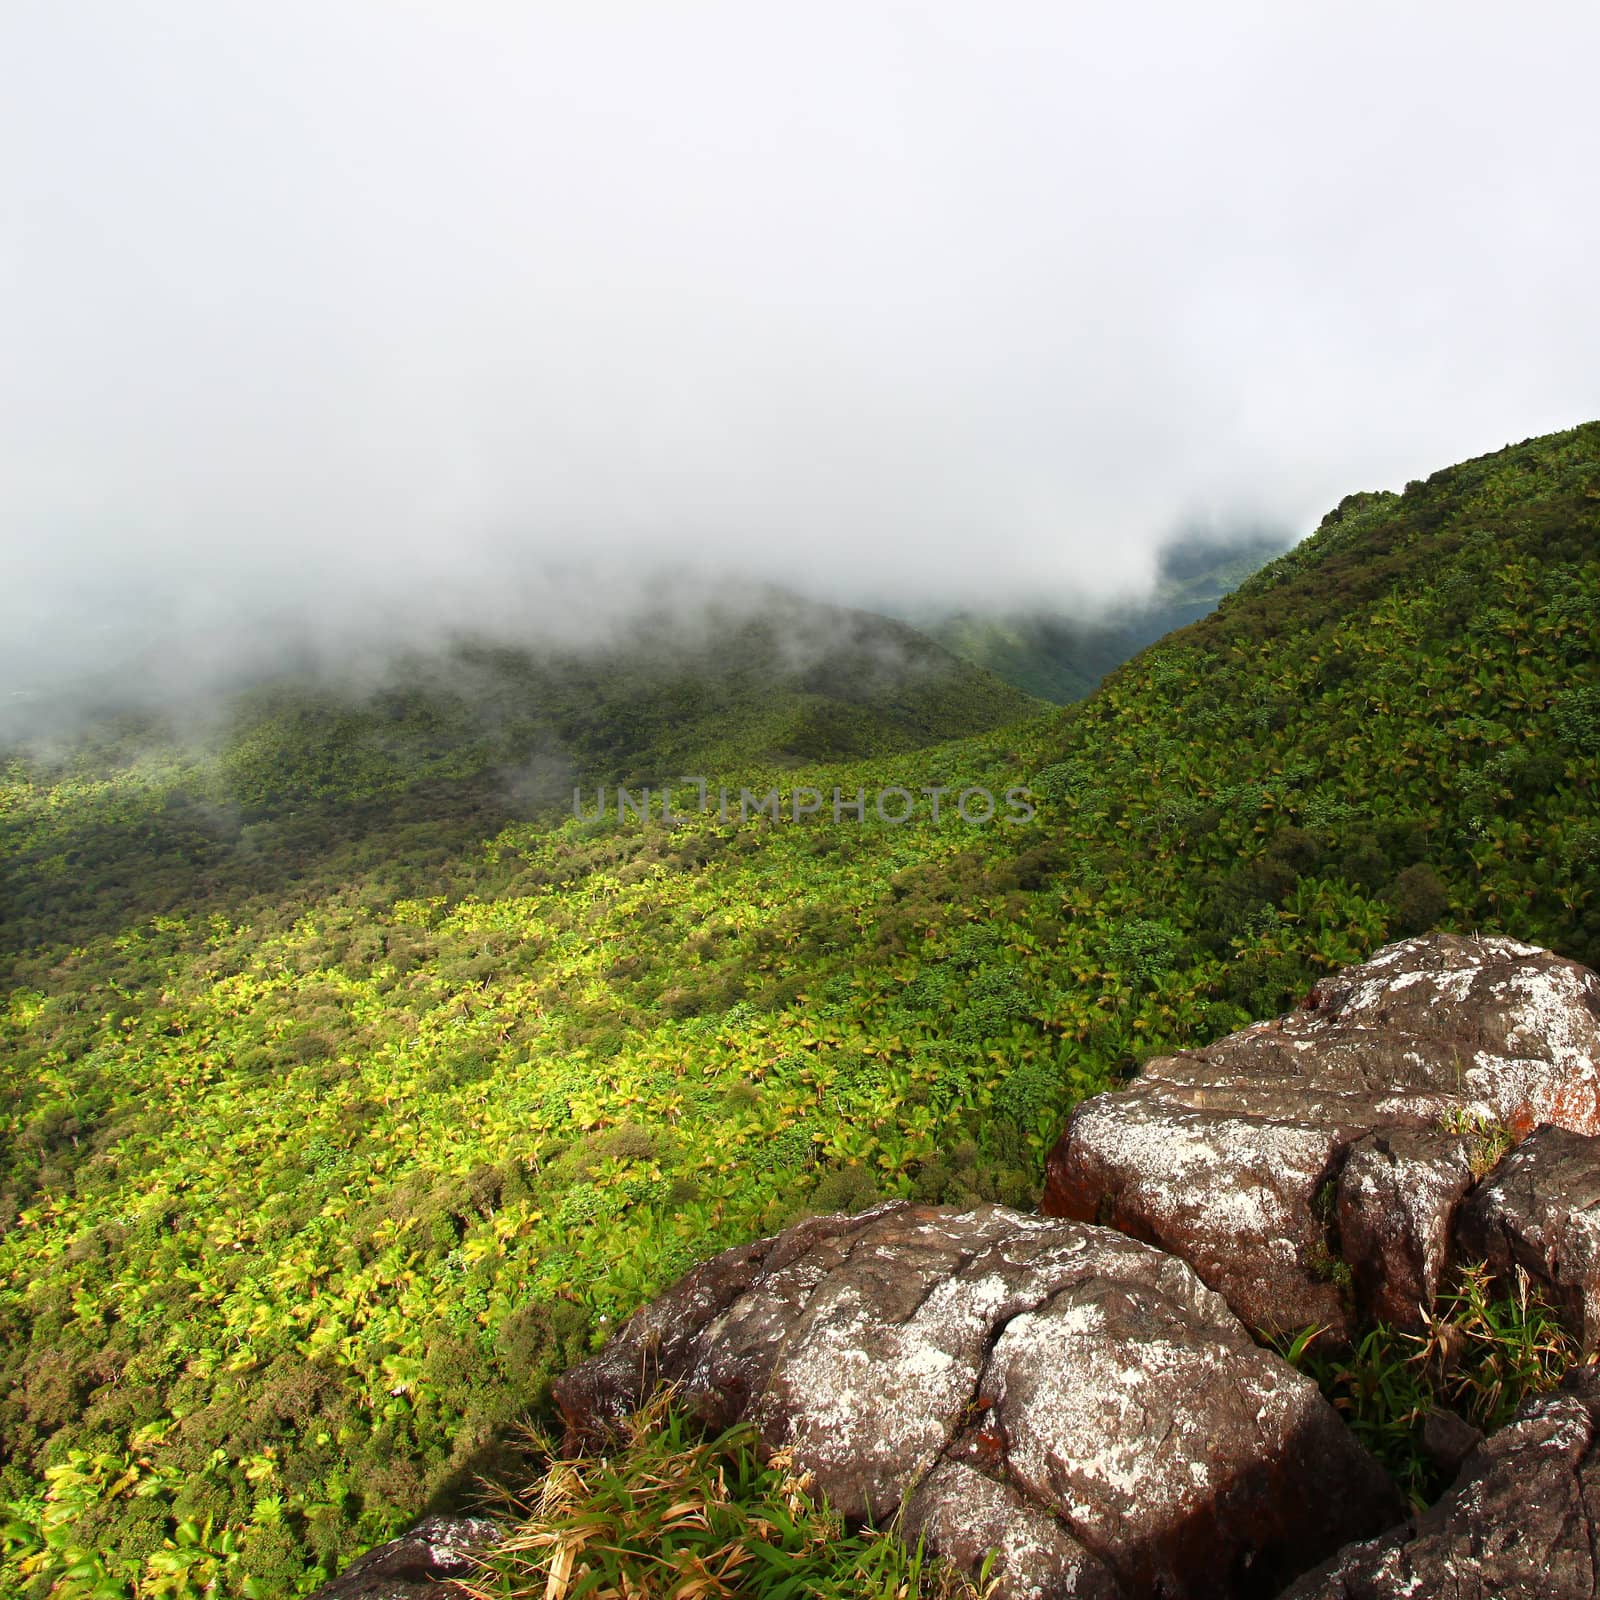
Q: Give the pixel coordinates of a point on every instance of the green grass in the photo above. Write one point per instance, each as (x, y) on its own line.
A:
(1486, 1348)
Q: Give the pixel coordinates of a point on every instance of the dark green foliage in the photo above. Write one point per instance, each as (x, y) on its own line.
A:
(1420, 898)
(1144, 948)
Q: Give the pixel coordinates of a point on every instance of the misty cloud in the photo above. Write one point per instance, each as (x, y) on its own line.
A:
(365, 322)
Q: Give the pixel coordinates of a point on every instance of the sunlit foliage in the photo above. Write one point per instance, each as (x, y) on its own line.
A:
(370, 1107)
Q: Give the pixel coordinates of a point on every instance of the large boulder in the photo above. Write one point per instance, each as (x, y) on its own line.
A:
(419, 1565)
(1309, 1167)
(1521, 1523)
(1067, 1396)
(1540, 1210)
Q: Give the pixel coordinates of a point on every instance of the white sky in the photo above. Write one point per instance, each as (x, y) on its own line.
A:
(344, 309)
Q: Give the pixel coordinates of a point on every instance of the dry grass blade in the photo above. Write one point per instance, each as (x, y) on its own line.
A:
(672, 1515)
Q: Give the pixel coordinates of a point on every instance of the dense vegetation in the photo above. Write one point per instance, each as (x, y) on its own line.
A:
(305, 782)
(327, 1141)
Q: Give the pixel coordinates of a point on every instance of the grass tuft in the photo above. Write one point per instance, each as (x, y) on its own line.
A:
(675, 1515)
(1481, 1354)
(1491, 1141)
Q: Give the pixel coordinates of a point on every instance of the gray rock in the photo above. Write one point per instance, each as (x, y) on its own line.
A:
(1519, 1524)
(1397, 1196)
(418, 1565)
(1540, 1210)
(968, 1516)
(1448, 1439)
(1068, 1396)
(1233, 1156)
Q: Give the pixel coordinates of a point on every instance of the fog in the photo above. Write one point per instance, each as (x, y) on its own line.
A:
(366, 321)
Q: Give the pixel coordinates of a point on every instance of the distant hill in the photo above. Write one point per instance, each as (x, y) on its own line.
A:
(256, 786)
(1061, 658)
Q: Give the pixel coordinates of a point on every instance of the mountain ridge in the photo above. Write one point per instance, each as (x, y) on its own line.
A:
(471, 735)
(1062, 657)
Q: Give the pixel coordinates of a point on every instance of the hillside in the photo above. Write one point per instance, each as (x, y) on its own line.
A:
(146, 813)
(1062, 658)
(314, 1179)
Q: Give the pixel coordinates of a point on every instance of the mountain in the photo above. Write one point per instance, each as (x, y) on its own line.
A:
(1062, 658)
(156, 812)
(313, 1181)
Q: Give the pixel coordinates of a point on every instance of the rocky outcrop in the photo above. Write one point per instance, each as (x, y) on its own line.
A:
(1540, 1210)
(1395, 1199)
(1073, 1398)
(1356, 1120)
(418, 1565)
(1064, 1394)
(1520, 1523)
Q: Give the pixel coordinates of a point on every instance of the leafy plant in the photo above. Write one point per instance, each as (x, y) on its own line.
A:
(1488, 1140)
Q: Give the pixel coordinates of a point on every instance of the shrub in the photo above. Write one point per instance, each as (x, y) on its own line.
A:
(1420, 899)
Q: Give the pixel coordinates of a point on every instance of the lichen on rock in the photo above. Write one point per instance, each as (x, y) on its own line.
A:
(985, 1370)
(1309, 1167)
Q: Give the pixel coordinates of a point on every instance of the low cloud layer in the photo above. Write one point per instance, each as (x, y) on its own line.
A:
(374, 319)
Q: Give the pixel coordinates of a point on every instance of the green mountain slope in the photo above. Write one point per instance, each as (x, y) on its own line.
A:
(310, 1188)
(1062, 658)
(144, 815)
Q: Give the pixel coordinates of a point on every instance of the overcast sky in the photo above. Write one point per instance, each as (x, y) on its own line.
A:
(362, 309)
